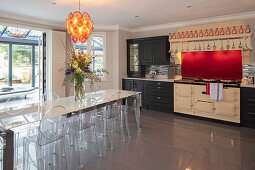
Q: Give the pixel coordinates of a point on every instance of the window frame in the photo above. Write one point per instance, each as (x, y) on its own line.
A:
(89, 43)
(103, 34)
(10, 58)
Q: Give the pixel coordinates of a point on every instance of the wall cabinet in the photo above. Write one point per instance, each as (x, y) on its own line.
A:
(248, 107)
(155, 51)
(134, 67)
(146, 51)
(191, 100)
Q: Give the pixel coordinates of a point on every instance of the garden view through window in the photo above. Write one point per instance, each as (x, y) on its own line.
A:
(20, 58)
(96, 44)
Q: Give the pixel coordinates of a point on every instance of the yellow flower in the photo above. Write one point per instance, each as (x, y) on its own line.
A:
(78, 69)
(88, 57)
(75, 63)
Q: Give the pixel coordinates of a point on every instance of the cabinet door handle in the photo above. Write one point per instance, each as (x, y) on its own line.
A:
(158, 84)
(203, 92)
(159, 98)
(159, 87)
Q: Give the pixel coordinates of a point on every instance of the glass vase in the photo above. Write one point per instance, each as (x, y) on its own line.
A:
(79, 90)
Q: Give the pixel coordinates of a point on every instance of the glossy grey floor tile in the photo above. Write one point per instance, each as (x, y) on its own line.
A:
(171, 142)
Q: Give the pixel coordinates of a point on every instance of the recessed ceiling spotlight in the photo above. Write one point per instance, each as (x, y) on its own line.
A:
(136, 16)
(189, 6)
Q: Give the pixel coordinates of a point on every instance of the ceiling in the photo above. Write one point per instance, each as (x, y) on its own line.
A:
(123, 12)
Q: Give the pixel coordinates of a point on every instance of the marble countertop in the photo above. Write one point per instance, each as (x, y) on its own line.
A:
(154, 79)
(248, 85)
(179, 79)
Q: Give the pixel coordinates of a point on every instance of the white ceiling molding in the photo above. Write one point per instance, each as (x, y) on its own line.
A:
(112, 28)
(106, 27)
(238, 16)
(13, 19)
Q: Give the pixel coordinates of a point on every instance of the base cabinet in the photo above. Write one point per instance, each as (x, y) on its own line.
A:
(160, 96)
(191, 100)
(136, 85)
(156, 95)
(248, 107)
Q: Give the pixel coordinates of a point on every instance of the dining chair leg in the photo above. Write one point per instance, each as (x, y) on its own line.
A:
(96, 144)
(121, 125)
(24, 153)
(108, 134)
(137, 111)
(126, 121)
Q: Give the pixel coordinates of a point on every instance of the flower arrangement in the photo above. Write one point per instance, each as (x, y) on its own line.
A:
(78, 70)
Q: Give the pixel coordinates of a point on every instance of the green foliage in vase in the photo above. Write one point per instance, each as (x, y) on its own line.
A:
(78, 70)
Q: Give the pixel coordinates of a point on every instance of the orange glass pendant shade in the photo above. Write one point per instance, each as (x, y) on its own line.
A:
(79, 25)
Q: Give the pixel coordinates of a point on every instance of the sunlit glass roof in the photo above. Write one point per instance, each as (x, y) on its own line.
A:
(15, 32)
(1, 29)
(34, 33)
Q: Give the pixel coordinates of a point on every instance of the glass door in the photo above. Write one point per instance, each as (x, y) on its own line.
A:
(134, 57)
(135, 68)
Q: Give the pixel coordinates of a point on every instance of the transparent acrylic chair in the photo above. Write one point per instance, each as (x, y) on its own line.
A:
(1, 152)
(50, 96)
(82, 135)
(131, 106)
(48, 145)
(93, 91)
(18, 123)
(112, 113)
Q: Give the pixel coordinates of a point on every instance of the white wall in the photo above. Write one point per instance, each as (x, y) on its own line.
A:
(123, 36)
(111, 61)
(58, 57)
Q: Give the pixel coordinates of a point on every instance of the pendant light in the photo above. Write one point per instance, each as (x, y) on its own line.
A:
(79, 25)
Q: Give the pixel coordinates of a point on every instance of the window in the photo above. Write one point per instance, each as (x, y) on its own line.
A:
(37, 75)
(4, 64)
(21, 64)
(96, 43)
(19, 59)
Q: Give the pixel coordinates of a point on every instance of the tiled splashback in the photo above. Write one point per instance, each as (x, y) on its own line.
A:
(249, 70)
(162, 70)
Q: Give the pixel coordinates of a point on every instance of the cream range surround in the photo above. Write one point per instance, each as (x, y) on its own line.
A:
(192, 44)
(189, 99)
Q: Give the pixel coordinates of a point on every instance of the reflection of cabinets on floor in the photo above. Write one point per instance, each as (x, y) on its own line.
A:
(190, 99)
